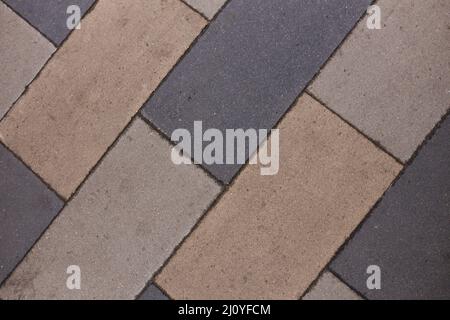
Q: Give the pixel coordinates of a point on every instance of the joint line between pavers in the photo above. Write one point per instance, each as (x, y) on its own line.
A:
(33, 172)
(48, 60)
(234, 178)
(26, 21)
(195, 10)
(377, 144)
(399, 176)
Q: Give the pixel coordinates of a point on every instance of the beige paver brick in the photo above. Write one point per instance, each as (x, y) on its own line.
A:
(94, 84)
(270, 236)
(328, 287)
(23, 52)
(393, 83)
(121, 227)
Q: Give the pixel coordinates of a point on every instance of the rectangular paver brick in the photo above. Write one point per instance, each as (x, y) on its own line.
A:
(393, 83)
(94, 84)
(328, 287)
(49, 16)
(27, 207)
(23, 52)
(250, 65)
(121, 227)
(208, 7)
(407, 235)
(270, 236)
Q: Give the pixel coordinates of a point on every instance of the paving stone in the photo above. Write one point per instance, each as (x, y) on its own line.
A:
(208, 7)
(407, 235)
(49, 16)
(393, 83)
(121, 227)
(27, 207)
(22, 54)
(94, 84)
(331, 288)
(153, 293)
(270, 236)
(250, 65)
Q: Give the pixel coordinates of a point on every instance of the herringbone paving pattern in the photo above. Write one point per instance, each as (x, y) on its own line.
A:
(87, 171)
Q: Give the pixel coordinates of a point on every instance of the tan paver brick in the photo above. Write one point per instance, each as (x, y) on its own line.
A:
(328, 287)
(270, 236)
(23, 52)
(393, 83)
(94, 84)
(121, 227)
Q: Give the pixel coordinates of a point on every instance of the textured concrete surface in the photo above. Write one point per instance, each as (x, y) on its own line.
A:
(270, 236)
(121, 227)
(23, 52)
(27, 206)
(250, 65)
(49, 16)
(393, 83)
(328, 287)
(208, 7)
(407, 235)
(267, 236)
(94, 84)
(152, 293)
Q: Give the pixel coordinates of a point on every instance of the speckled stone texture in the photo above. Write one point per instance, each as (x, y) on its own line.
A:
(49, 16)
(328, 287)
(393, 83)
(152, 293)
(250, 65)
(207, 7)
(407, 235)
(270, 236)
(94, 84)
(23, 52)
(120, 228)
(27, 207)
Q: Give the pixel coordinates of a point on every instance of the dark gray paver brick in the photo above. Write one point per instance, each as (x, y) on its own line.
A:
(152, 293)
(407, 235)
(27, 207)
(49, 16)
(250, 65)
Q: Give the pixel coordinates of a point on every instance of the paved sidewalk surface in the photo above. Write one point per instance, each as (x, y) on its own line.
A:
(349, 198)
